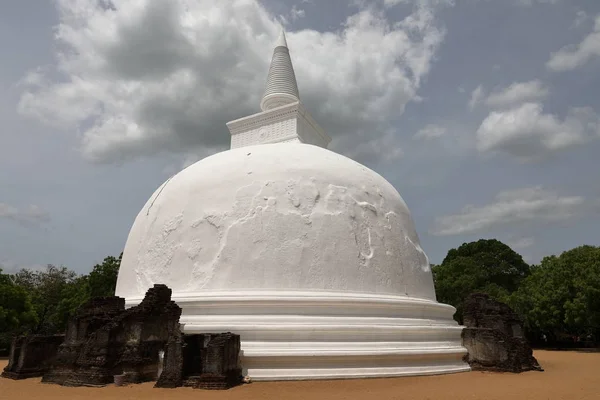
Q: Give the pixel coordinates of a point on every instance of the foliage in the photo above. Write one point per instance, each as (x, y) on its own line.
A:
(562, 295)
(47, 289)
(57, 292)
(43, 301)
(487, 266)
(103, 278)
(73, 296)
(16, 311)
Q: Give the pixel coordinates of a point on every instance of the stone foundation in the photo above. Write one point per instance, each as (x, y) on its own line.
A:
(104, 340)
(31, 356)
(172, 369)
(494, 337)
(209, 361)
(71, 367)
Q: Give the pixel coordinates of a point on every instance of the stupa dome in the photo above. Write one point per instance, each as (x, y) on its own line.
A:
(283, 216)
(312, 258)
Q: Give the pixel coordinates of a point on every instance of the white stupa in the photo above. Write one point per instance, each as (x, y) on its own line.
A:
(311, 257)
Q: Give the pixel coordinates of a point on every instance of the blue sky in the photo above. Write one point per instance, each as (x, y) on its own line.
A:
(483, 114)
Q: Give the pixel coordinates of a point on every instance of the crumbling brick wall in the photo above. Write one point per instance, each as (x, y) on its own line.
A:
(494, 337)
(203, 361)
(104, 340)
(172, 369)
(144, 331)
(71, 354)
(221, 366)
(31, 356)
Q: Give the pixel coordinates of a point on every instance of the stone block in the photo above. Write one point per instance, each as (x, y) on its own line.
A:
(202, 361)
(494, 337)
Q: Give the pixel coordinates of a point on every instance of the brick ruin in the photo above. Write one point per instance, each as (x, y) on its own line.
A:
(106, 343)
(31, 356)
(142, 332)
(71, 353)
(202, 361)
(104, 340)
(494, 337)
(220, 361)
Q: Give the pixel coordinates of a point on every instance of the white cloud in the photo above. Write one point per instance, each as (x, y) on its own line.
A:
(476, 96)
(30, 215)
(430, 131)
(526, 132)
(148, 76)
(296, 13)
(573, 56)
(392, 3)
(517, 93)
(529, 3)
(435, 3)
(523, 3)
(580, 17)
(512, 95)
(511, 206)
(521, 243)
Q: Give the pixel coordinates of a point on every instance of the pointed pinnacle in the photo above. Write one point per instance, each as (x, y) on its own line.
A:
(281, 40)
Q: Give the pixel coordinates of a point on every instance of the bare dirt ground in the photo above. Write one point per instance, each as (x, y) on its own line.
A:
(568, 376)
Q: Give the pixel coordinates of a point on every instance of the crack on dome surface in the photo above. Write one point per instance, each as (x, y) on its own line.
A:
(307, 219)
(262, 207)
(158, 194)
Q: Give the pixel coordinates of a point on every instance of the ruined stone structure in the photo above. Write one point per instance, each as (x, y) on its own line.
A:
(218, 358)
(172, 368)
(104, 340)
(89, 318)
(142, 331)
(494, 337)
(209, 361)
(31, 355)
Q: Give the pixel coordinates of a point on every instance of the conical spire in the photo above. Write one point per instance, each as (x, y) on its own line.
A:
(281, 39)
(281, 86)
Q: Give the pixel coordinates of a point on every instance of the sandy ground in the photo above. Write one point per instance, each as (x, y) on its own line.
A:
(568, 375)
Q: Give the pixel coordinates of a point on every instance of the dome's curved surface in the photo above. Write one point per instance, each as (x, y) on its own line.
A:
(310, 257)
(276, 217)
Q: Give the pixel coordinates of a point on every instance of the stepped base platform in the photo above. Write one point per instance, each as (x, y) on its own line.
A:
(329, 335)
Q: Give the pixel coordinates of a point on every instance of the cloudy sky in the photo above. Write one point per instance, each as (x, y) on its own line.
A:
(484, 114)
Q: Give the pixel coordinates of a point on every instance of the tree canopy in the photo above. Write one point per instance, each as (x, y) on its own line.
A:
(42, 301)
(487, 266)
(15, 305)
(47, 289)
(17, 313)
(562, 294)
(102, 280)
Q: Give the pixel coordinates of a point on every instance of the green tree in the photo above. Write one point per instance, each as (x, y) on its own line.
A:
(17, 314)
(562, 295)
(73, 296)
(103, 278)
(487, 266)
(46, 289)
(57, 292)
